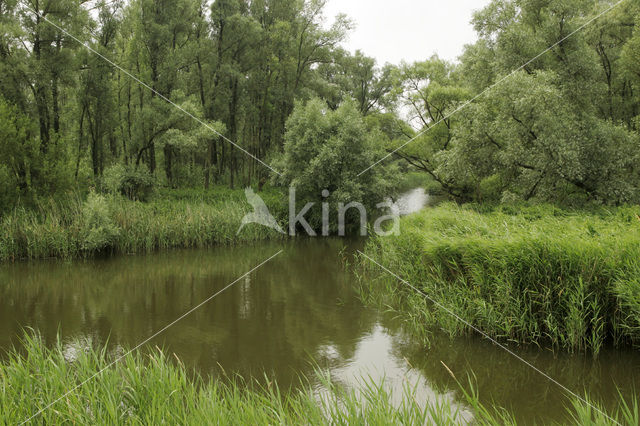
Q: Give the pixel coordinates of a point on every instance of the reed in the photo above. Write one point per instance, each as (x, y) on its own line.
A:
(74, 227)
(554, 277)
(157, 389)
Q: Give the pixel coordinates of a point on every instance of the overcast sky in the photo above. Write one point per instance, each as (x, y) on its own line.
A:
(393, 30)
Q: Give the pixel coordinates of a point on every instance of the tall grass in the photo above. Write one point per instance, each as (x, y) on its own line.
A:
(159, 390)
(156, 389)
(566, 279)
(74, 227)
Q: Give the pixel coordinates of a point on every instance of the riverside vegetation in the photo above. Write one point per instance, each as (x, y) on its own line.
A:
(107, 224)
(529, 274)
(156, 389)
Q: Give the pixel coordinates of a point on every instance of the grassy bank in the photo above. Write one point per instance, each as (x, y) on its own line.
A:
(567, 279)
(77, 226)
(158, 390)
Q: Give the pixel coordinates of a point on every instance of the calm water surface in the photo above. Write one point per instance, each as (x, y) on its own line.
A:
(298, 309)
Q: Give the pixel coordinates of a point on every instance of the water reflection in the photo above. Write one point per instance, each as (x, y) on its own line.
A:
(271, 321)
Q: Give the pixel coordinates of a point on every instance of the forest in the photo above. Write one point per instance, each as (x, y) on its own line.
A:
(133, 96)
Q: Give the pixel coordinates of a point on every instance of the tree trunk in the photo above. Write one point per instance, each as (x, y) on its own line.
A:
(168, 163)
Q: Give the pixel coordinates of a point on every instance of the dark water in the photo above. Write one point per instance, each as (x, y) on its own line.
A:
(299, 307)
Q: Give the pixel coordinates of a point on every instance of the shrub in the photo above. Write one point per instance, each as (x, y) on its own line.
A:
(135, 183)
(326, 150)
(112, 178)
(99, 231)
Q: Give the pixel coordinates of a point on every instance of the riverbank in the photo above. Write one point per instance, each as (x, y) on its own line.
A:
(84, 386)
(79, 227)
(536, 275)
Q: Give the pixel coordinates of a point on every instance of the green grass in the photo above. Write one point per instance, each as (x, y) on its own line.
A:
(157, 389)
(543, 275)
(74, 227)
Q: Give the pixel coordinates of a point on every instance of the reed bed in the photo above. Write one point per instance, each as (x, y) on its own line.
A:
(155, 389)
(544, 275)
(74, 227)
(80, 383)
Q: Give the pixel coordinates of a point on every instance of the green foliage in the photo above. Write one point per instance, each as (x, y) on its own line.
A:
(112, 179)
(234, 65)
(530, 138)
(325, 150)
(135, 183)
(28, 173)
(430, 90)
(539, 275)
(98, 228)
(356, 76)
(18, 154)
(562, 129)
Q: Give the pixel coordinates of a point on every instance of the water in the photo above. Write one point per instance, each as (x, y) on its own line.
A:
(296, 310)
(413, 201)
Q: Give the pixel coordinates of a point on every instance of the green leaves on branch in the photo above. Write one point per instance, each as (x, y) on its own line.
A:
(326, 150)
(563, 128)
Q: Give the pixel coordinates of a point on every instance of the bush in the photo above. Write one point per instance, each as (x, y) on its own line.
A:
(9, 191)
(325, 150)
(135, 183)
(112, 178)
(99, 230)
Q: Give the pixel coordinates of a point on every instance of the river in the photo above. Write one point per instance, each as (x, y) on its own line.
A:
(296, 311)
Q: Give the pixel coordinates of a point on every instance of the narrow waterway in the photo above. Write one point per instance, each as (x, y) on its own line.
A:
(296, 311)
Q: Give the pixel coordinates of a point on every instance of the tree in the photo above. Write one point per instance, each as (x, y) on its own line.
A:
(429, 92)
(357, 77)
(50, 56)
(562, 128)
(325, 150)
(96, 100)
(526, 140)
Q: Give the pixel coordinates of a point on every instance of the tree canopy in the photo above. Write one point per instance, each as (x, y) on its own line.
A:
(95, 89)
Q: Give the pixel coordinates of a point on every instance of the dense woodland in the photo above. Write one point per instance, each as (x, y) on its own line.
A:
(271, 76)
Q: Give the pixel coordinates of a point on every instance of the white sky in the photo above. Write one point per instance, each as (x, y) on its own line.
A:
(393, 30)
